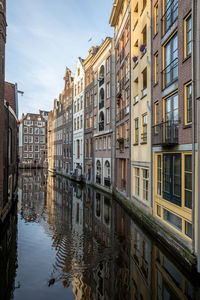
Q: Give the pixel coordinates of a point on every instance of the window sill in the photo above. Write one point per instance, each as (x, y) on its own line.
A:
(143, 97)
(143, 54)
(143, 10)
(155, 84)
(143, 143)
(155, 35)
(186, 58)
(135, 103)
(136, 144)
(187, 126)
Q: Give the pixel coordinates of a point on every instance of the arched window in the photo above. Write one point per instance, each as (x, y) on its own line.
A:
(101, 121)
(98, 172)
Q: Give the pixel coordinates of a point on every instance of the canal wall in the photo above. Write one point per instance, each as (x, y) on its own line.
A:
(176, 245)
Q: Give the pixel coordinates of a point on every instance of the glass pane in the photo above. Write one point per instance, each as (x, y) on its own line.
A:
(188, 199)
(188, 163)
(177, 176)
(188, 181)
(167, 174)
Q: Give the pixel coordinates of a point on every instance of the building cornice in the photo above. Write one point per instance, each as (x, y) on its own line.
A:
(102, 49)
(115, 12)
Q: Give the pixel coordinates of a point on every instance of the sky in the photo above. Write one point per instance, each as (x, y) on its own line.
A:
(45, 36)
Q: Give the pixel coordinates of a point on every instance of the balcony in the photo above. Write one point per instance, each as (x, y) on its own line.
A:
(107, 182)
(170, 16)
(101, 126)
(165, 133)
(170, 73)
(101, 104)
(98, 179)
(101, 81)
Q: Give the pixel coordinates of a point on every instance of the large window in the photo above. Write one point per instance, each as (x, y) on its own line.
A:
(144, 128)
(188, 180)
(172, 178)
(159, 172)
(156, 68)
(187, 36)
(171, 14)
(188, 103)
(136, 136)
(156, 18)
(145, 184)
(172, 219)
(170, 72)
(171, 119)
(137, 181)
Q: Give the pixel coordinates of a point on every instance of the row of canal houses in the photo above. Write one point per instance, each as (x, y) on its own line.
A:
(128, 119)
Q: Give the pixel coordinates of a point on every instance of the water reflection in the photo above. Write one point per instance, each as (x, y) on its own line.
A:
(93, 249)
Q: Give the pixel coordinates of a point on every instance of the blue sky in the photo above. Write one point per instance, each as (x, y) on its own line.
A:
(45, 36)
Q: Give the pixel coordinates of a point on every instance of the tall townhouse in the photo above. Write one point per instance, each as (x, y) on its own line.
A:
(88, 115)
(104, 114)
(68, 122)
(120, 20)
(141, 103)
(50, 139)
(174, 117)
(59, 112)
(34, 145)
(78, 117)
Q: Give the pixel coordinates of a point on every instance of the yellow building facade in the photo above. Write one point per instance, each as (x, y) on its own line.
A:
(141, 103)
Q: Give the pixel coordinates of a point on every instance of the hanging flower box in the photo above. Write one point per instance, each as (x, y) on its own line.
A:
(120, 140)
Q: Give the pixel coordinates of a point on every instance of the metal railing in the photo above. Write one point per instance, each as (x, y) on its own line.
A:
(165, 133)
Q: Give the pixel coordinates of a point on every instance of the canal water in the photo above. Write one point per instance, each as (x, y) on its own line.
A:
(67, 241)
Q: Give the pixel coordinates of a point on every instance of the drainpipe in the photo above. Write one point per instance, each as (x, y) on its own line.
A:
(193, 135)
(198, 118)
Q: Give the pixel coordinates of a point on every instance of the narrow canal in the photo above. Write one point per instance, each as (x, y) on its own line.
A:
(67, 241)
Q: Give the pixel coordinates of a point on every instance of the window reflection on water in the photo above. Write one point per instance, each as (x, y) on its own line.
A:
(99, 252)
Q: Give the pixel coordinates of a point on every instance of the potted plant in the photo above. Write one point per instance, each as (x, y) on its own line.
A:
(143, 48)
(135, 59)
(120, 140)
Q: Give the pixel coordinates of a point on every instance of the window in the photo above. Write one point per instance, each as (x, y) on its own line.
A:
(108, 115)
(156, 68)
(188, 103)
(187, 36)
(25, 148)
(170, 73)
(145, 184)
(172, 178)
(42, 131)
(188, 229)
(127, 69)
(144, 4)
(172, 219)
(144, 37)
(36, 155)
(188, 180)
(159, 172)
(30, 139)
(156, 18)
(30, 155)
(36, 130)
(136, 137)
(108, 65)
(25, 130)
(137, 181)
(31, 130)
(171, 14)
(81, 122)
(36, 148)
(9, 146)
(159, 211)
(144, 82)
(144, 128)
(42, 139)
(135, 86)
(156, 116)
(108, 90)
(30, 148)
(109, 142)
(104, 143)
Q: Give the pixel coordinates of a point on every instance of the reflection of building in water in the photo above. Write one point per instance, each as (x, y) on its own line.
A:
(8, 256)
(140, 264)
(32, 195)
(168, 281)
